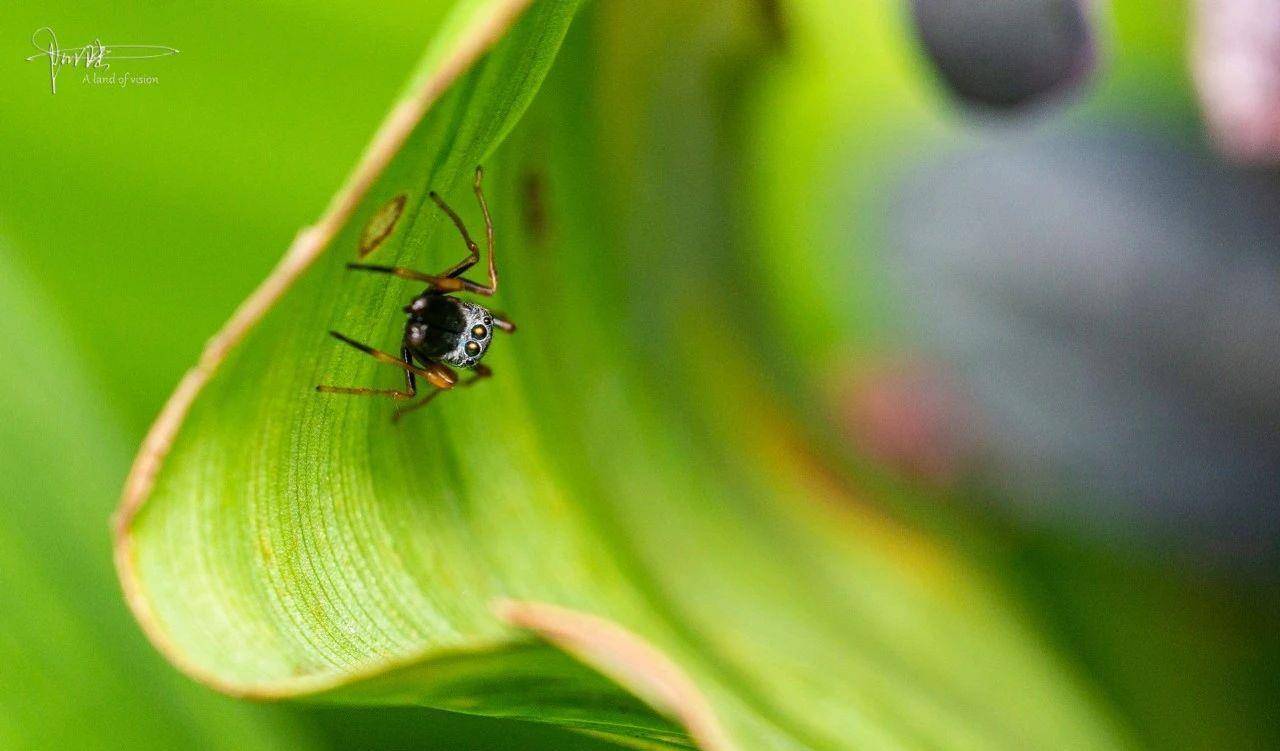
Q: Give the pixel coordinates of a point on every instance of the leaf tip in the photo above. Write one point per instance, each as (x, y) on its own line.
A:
(626, 658)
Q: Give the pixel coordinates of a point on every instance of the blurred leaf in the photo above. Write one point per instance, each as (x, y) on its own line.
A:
(76, 673)
(626, 487)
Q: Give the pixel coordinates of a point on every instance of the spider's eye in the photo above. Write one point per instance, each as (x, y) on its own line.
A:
(479, 331)
(472, 348)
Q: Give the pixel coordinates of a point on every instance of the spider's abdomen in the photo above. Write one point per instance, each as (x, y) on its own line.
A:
(446, 329)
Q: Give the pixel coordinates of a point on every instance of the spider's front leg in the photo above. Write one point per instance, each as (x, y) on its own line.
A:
(450, 280)
(445, 284)
(437, 375)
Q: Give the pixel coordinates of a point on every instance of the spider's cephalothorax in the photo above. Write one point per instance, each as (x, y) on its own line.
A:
(442, 331)
(447, 329)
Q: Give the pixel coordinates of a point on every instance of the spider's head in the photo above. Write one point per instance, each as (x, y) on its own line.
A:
(449, 330)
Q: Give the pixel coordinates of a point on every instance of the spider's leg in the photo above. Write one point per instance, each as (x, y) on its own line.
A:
(480, 372)
(438, 378)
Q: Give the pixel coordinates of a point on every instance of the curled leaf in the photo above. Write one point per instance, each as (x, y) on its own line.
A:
(601, 536)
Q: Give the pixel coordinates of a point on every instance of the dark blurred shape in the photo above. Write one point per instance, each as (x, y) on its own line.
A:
(1005, 53)
(773, 20)
(1112, 308)
(1236, 62)
(533, 204)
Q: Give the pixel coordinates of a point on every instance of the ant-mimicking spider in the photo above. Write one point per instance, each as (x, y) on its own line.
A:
(441, 331)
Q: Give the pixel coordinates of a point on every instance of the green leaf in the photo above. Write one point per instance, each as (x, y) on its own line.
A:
(624, 531)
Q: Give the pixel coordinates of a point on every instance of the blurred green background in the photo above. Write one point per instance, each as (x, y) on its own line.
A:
(132, 221)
